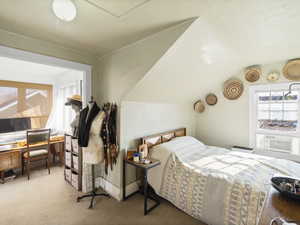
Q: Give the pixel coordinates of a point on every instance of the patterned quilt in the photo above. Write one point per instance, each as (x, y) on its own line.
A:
(216, 185)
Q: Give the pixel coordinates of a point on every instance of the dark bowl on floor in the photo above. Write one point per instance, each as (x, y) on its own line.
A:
(276, 184)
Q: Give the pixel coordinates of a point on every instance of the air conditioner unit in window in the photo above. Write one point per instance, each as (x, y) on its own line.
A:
(279, 143)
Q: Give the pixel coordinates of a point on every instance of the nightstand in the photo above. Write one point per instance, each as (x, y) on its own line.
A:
(145, 168)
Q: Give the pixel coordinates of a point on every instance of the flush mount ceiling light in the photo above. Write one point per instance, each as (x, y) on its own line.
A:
(64, 9)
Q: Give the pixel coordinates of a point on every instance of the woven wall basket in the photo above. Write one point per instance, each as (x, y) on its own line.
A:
(252, 74)
(211, 99)
(273, 76)
(199, 106)
(291, 70)
(233, 89)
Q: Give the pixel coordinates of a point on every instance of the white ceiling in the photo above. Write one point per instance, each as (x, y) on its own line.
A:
(23, 71)
(101, 25)
(105, 25)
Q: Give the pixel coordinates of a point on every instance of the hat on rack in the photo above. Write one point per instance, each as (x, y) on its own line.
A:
(74, 99)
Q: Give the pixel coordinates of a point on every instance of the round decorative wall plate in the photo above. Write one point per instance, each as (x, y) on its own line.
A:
(291, 70)
(273, 76)
(233, 89)
(199, 106)
(211, 99)
(252, 74)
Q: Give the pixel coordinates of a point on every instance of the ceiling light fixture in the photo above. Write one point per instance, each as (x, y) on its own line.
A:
(64, 9)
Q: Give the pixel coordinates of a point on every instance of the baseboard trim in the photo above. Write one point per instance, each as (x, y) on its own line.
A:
(132, 187)
(115, 191)
(111, 189)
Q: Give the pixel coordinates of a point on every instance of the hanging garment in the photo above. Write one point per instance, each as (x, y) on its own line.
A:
(86, 118)
(104, 135)
(112, 129)
(94, 153)
(109, 135)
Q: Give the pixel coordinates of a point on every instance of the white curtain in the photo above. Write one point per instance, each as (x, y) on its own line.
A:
(61, 116)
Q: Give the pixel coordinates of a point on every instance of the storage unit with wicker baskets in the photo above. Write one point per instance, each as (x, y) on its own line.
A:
(73, 162)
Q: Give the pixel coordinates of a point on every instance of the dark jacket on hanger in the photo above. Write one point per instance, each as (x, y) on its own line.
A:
(85, 121)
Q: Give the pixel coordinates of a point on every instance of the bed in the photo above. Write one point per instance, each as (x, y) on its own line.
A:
(216, 185)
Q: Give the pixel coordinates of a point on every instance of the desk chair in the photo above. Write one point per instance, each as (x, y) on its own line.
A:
(38, 145)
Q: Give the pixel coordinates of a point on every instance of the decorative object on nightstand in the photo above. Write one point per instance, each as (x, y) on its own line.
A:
(291, 70)
(199, 106)
(73, 162)
(252, 73)
(130, 153)
(211, 99)
(233, 89)
(136, 157)
(143, 150)
(287, 186)
(273, 76)
(146, 166)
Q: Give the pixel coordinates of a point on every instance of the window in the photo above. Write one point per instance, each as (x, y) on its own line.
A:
(19, 100)
(274, 119)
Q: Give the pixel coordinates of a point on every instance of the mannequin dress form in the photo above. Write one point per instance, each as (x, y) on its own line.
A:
(92, 153)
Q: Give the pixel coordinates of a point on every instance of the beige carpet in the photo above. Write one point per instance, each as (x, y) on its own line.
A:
(49, 200)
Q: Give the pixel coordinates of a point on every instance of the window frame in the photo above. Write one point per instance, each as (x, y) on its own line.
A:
(21, 94)
(253, 130)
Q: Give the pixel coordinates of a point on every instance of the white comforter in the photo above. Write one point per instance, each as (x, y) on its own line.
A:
(205, 181)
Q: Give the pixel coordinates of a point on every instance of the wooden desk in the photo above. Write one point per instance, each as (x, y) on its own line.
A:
(9, 147)
(280, 206)
(11, 155)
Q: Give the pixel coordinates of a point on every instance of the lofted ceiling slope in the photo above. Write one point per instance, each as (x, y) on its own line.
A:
(220, 44)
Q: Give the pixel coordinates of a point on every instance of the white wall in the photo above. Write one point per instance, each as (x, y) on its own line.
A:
(227, 123)
(140, 119)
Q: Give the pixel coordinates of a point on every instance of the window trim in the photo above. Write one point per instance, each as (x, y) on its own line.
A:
(22, 86)
(253, 115)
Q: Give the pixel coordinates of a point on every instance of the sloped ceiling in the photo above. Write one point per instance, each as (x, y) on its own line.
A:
(121, 70)
(218, 45)
(95, 30)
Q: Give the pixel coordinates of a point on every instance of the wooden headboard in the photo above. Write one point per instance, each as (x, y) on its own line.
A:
(160, 138)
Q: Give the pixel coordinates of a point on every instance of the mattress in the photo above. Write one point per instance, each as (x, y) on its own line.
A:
(205, 181)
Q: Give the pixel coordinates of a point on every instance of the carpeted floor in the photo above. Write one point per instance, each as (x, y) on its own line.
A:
(49, 200)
